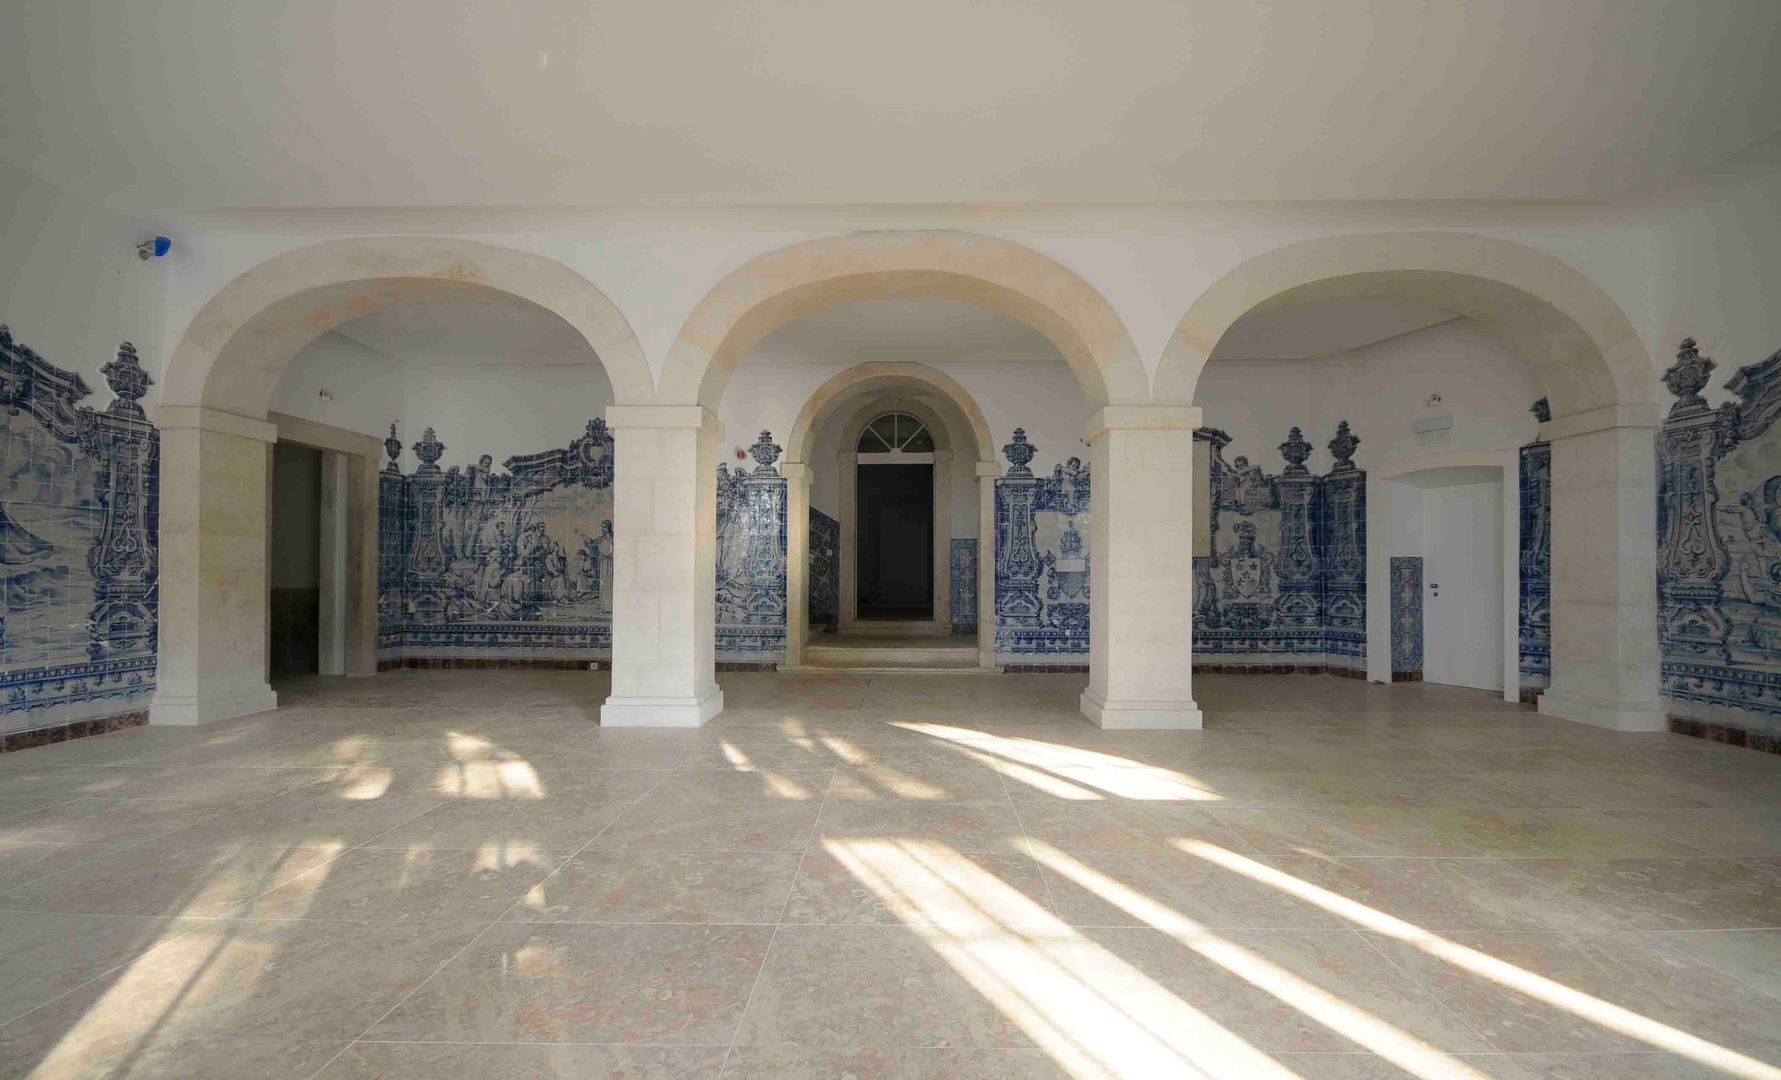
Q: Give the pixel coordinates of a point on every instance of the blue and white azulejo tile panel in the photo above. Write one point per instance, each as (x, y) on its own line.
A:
(1536, 560)
(825, 570)
(751, 590)
(1285, 580)
(1042, 560)
(79, 542)
(1406, 615)
(478, 563)
(964, 585)
(1719, 546)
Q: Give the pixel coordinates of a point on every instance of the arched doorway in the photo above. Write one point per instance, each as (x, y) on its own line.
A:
(1139, 619)
(1587, 360)
(955, 423)
(216, 437)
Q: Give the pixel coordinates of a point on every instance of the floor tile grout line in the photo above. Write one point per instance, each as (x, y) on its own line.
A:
(767, 953)
(479, 934)
(1430, 994)
(201, 920)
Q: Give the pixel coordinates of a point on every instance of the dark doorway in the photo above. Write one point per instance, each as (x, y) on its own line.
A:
(294, 615)
(895, 542)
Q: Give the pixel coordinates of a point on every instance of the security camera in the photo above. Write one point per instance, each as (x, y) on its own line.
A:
(153, 249)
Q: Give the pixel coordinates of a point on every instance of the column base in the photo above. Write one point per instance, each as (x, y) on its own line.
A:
(1118, 715)
(1613, 715)
(188, 711)
(661, 712)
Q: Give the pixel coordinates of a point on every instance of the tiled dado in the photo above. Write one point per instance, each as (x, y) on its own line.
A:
(489, 663)
(31, 738)
(1339, 672)
(1722, 733)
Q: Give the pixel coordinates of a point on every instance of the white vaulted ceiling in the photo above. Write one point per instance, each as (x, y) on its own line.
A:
(200, 104)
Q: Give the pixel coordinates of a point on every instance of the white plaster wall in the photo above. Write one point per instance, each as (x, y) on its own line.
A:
(71, 286)
(366, 386)
(474, 408)
(1150, 263)
(484, 409)
(1381, 390)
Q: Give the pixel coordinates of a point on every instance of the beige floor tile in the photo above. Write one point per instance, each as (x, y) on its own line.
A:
(1519, 990)
(576, 982)
(1276, 990)
(630, 886)
(45, 955)
(300, 821)
(468, 1061)
(424, 884)
(229, 1000)
(914, 1063)
(988, 828)
(879, 986)
(163, 878)
(902, 882)
(104, 821)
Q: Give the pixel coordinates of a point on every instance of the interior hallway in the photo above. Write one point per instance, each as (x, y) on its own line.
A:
(450, 874)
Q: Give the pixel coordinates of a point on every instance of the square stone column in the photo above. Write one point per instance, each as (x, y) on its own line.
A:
(664, 567)
(1140, 567)
(1605, 668)
(987, 471)
(797, 560)
(211, 651)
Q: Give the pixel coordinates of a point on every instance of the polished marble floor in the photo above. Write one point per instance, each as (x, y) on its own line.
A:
(449, 875)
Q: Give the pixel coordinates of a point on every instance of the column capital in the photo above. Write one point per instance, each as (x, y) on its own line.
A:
(1602, 419)
(988, 469)
(796, 472)
(201, 418)
(664, 416)
(1141, 417)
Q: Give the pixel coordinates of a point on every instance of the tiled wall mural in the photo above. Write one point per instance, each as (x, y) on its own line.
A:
(1042, 560)
(79, 535)
(751, 559)
(1719, 547)
(964, 585)
(1536, 562)
(480, 564)
(1406, 618)
(1285, 583)
(825, 571)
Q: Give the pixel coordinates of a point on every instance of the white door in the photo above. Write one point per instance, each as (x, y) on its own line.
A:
(1462, 585)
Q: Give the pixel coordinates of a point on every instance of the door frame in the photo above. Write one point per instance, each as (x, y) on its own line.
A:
(1382, 481)
(850, 468)
(348, 549)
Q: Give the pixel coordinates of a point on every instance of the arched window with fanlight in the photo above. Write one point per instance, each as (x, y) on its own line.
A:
(896, 433)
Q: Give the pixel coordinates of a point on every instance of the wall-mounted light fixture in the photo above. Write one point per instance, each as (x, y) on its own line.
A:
(1434, 399)
(153, 249)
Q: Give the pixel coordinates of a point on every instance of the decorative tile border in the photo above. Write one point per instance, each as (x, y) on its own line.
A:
(1731, 736)
(964, 585)
(489, 663)
(14, 741)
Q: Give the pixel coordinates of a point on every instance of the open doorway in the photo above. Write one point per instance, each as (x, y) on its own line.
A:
(894, 519)
(294, 614)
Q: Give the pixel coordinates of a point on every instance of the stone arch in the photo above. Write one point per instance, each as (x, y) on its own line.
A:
(1602, 390)
(213, 415)
(1577, 341)
(865, 390)
(777, 287)
(865, 378)
(239, 344)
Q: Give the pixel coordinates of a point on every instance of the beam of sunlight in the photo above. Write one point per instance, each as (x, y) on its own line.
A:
(1402, 1049)
(1538, 987)
(1094, 1014)
(480, 769)
(1115, 775)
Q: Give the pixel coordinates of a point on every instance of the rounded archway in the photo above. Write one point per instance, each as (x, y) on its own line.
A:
(213, 415)
(773, 289)
(1587, 360)
(1582, 347)
(960, 433)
